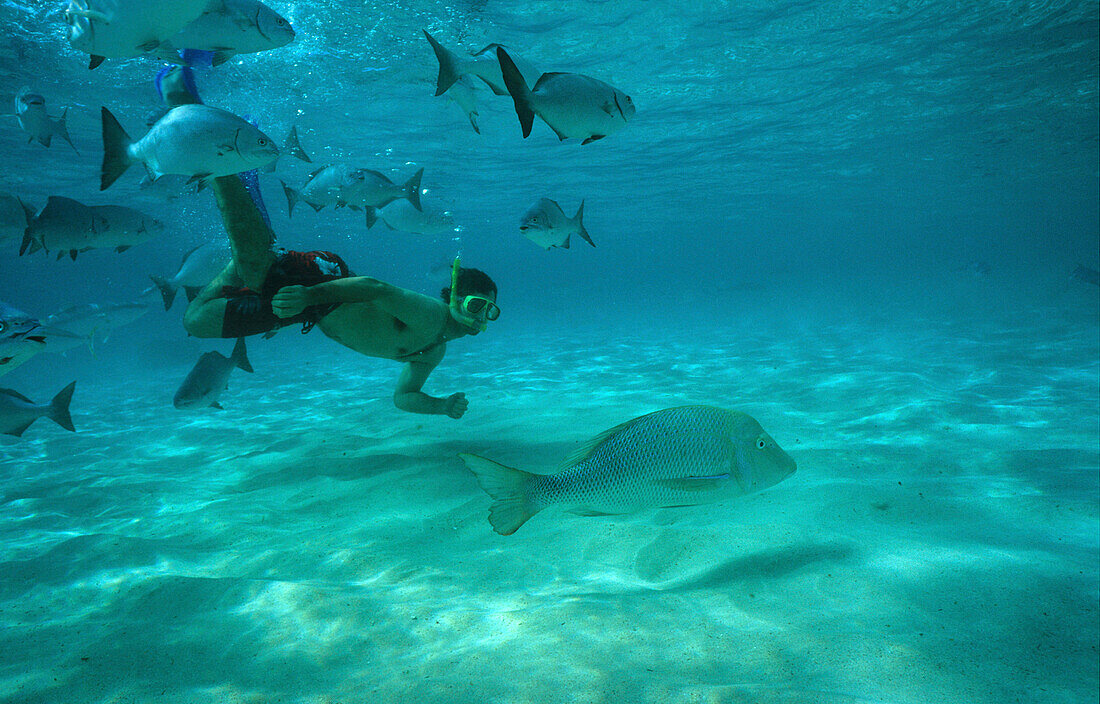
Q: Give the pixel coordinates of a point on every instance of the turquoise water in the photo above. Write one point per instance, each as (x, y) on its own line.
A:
(854, 221)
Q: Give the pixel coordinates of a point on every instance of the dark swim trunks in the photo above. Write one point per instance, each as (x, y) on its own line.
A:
(248, 312)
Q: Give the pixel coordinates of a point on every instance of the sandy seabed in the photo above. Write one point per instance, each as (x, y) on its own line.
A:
(311, 544)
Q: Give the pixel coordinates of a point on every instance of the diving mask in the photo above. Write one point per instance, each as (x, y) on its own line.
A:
(473, 311)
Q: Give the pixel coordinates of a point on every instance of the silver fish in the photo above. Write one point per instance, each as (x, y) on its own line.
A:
(191, 140)
(68, 226)
(198, 268)
(15, 216)
(30, 110)
(571, 104)
(125, 28)
(402, 216)
(17, 412)
(676, 457)
(209, 377)
(547, 226)
(90, 322)
(342, 185)
(230, 27)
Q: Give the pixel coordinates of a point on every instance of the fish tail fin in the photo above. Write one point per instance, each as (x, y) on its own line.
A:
(294, 146)
(578, 219)
(371, 216)
(412, 189)
(292, 198)
(508, 487)
(517, 88)
(116, 150)
(62, 129)
(167, 291)
(59, 408)
(28, 211)
(30, 243)
(240, 356)
(449, 65)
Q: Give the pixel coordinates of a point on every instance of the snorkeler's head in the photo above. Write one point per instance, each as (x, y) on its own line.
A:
(471, 297)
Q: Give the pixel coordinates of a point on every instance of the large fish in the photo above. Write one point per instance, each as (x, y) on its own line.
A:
(120, 29)
(17, 412)
(573, 105)
(198, 268)
(676, 457)
(483, 64)
(209, 377)
(230, 27)
(91, 322)
(68, 226)
(400, 215)
(547, 226)
(30, 110)
(342, 185)
(190, 140)
(15, 216)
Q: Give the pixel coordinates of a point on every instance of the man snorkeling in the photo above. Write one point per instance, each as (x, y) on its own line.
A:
(262, 290)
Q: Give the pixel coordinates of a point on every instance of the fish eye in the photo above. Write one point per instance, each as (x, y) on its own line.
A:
(280, 22)
(263, 142)
(3, 326)
(761, 443)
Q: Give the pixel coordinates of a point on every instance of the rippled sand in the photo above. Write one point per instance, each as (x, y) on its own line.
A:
(939, 542)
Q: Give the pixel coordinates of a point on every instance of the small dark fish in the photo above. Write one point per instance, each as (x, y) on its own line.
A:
(209, 377)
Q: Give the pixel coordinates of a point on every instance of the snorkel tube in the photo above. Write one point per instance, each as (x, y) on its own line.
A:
(457, 311)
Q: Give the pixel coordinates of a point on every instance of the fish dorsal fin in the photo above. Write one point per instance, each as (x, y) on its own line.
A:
(547, 77)
(16, 394)
(489, 49)
(313, 174)
(378, 174)
(588, 448)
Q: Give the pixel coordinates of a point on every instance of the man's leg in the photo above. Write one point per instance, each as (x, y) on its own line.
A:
(249, 236)
(205, 314)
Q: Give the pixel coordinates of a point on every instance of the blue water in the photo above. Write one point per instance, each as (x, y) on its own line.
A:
(855, 221)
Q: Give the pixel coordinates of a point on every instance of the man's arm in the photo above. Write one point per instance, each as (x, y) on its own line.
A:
(408, 396)
(413, 309)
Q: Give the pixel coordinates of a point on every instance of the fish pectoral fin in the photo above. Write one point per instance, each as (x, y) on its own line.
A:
(217, 405)
(593, 138)
(694, 483)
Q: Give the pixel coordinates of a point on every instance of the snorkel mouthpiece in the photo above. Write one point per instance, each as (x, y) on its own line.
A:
(456, 302)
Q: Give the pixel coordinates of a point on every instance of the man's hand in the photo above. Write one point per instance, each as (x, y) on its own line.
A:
(290, 301)
(455, 405)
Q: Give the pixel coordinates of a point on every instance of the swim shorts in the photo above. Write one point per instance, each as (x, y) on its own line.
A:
(249, 312)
